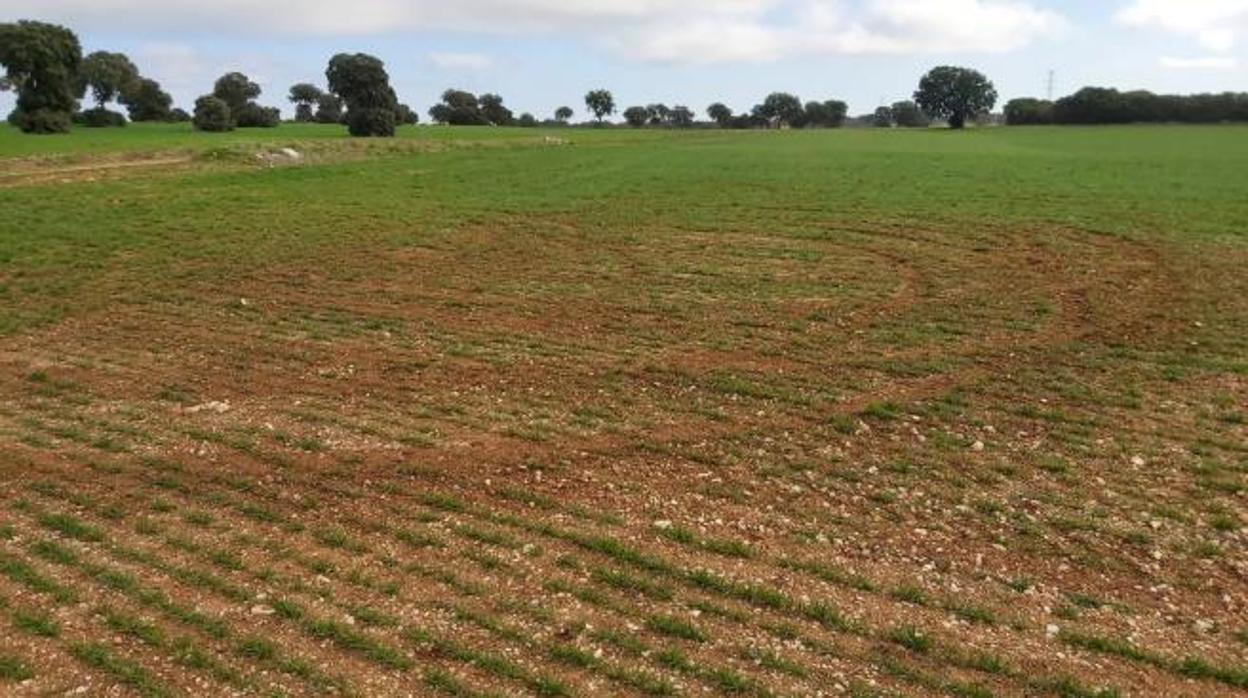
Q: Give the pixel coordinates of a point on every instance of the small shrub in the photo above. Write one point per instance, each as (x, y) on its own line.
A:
(42, 121)
(252, 115)
(101, 118)
(212, 115)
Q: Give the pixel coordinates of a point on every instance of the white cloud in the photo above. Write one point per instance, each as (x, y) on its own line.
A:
(362, 17)
(917, 26)
(871, 27)
(685, 31)
(1216, 24)
(1199, 63)
(704, 42)
(461, 61)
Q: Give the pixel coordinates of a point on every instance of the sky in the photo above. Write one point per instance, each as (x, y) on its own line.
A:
(542, 54)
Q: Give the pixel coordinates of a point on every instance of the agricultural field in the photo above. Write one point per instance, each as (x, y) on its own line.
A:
(591, 412)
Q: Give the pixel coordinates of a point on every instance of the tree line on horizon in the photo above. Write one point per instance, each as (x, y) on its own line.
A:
(1100, 105)
(44, 65)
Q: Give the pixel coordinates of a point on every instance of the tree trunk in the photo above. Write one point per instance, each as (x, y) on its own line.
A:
(957, 121)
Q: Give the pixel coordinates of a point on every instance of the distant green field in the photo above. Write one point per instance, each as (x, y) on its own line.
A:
(1167, 181)
(153, 137)
(584, 412)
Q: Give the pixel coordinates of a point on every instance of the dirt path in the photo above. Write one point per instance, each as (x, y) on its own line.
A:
(27, 175)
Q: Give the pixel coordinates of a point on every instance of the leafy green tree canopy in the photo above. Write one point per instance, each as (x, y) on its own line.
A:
(636, 116)
(659, 114)
(1025, 111)
(459, 108)
(108, 75)
(908, 115)
(305, 93)
(1099, 105)
(100, 117)
(236, 90)
(363, 84)
(781, 109)
(719, 113)
(601, 103)
(41, 62)
(146, 101)
(828, 114)
(955, 94)
(252, 115)
(681, 116)
(406, 116)
(305, 96)
(329, 109)
(212, 114)
(882, 118)
(493, 110)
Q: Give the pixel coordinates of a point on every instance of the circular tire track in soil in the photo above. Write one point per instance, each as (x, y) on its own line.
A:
(412, 343)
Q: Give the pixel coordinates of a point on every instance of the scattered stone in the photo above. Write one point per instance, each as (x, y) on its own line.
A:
(262, 611)
(220, 407)
(978, 446)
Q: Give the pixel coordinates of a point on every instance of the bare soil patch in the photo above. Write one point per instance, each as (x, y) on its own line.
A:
(665, 462)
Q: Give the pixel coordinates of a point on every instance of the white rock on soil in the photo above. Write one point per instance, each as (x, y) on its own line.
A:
(220, 407)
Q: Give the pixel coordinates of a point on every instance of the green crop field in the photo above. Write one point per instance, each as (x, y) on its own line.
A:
(611, 412)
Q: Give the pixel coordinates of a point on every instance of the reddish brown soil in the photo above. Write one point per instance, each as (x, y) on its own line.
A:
(979, 424)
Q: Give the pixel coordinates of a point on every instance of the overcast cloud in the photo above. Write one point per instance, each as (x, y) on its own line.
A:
(696, 31)
(1218, 25)
(690, 31)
